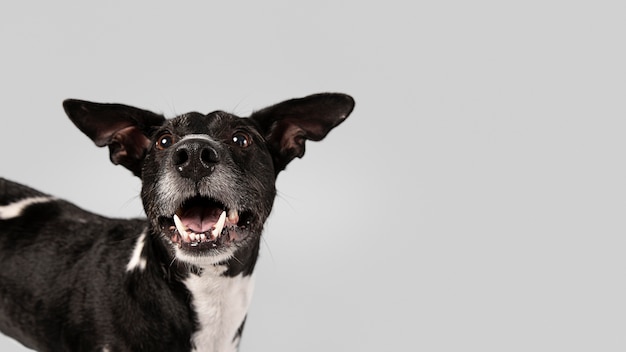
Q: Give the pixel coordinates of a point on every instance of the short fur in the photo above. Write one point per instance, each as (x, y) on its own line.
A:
(180, 280)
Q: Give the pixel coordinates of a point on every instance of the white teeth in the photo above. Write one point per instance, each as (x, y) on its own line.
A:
(180, 227)
(215, 233)
(233, 216)
(219, 225)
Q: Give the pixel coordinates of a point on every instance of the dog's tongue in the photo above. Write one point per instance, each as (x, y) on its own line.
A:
(200, 219)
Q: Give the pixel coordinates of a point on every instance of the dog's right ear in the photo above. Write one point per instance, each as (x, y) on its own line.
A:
(126, 130)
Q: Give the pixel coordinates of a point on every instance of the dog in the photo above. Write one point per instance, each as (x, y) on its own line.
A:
(180, 280)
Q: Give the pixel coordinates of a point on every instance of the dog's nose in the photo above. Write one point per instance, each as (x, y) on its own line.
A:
(195, 159)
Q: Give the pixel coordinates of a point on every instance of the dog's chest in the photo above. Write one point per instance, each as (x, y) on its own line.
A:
(221, 304)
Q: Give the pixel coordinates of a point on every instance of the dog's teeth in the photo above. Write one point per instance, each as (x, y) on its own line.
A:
(181, 228)
(219, 225)
(233, 216)
(192, 236)
(202, 237)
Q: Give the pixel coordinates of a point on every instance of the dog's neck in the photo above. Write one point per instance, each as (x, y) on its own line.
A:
(221, 303)
(219, 294)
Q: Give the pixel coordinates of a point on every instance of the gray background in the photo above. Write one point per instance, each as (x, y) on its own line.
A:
(474, 201)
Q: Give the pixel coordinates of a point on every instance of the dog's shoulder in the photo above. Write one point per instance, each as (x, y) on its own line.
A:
(11, 192)
(20, 201)
(16, 199)
(22, 207)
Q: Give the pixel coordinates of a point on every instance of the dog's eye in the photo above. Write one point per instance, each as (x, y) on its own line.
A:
(164, 141)
(241, 139)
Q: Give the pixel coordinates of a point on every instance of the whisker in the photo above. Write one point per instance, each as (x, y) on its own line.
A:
(267, 245)
(172, 262)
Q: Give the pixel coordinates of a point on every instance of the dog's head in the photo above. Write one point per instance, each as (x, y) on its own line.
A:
(208, 180)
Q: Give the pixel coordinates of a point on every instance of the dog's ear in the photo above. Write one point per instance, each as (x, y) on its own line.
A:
(124, 129)
(287, 125)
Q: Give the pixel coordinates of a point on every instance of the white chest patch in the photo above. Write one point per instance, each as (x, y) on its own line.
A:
(221, 304)
(15, 209)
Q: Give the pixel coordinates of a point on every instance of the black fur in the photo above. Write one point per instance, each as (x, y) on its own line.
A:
(64, 283)
(64, 287)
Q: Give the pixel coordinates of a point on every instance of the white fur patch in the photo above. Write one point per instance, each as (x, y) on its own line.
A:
(206, 137)
(137, 261)
(221, 304)
(15, 209)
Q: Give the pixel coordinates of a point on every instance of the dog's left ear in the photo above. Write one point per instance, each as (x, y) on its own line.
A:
(126, 130)
(287, 125)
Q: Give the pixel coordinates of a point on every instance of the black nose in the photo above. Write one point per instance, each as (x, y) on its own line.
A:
(195, 159)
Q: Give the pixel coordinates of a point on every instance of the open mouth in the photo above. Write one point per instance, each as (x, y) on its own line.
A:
(202, 224)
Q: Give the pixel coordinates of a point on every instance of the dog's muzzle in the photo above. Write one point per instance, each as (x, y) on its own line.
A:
(202, 220)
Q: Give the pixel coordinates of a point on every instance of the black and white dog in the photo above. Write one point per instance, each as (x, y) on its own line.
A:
(71, 280)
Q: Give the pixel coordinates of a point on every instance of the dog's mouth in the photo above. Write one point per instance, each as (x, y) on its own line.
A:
(203, 224)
